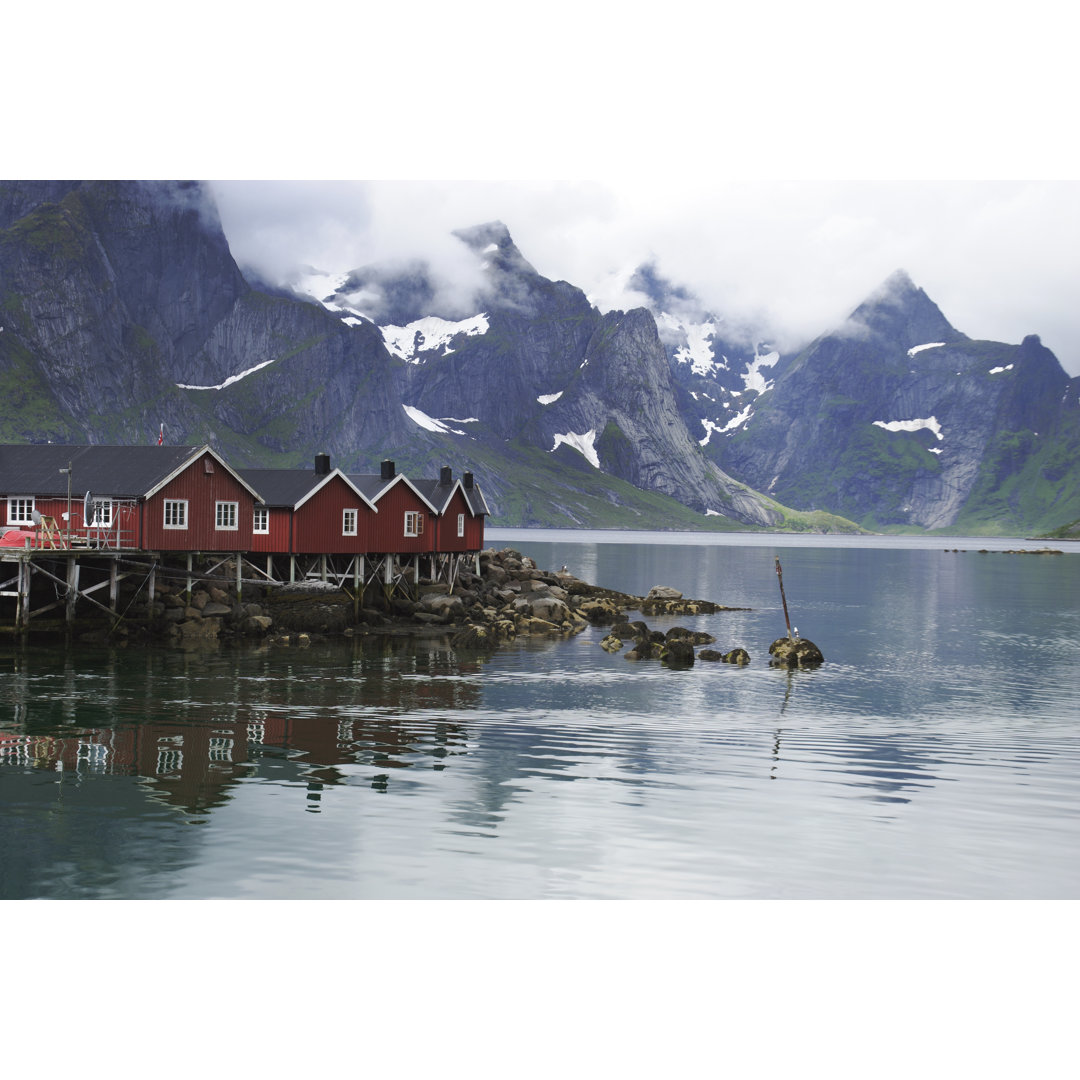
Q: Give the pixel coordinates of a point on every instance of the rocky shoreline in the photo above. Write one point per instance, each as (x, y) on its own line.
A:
(510, 597)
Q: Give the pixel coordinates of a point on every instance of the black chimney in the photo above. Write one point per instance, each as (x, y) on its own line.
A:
(388, 472)
(322, 464)
(446, 476)
(466, 479)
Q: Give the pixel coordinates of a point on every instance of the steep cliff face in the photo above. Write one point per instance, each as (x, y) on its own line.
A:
(890, 419)
(535, 363)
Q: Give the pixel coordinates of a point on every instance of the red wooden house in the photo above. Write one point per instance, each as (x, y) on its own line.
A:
(158, 498)
(405, 524)
(310, 512)
(460, 509)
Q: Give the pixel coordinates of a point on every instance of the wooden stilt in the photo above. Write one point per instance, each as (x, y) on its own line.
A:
(72, 588)
(113, 585)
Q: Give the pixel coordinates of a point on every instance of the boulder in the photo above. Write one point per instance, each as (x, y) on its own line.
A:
(711, 655)
(611, 644)
(695, 637)
(442, 606)
(550, 608)
(678, 654)
(794, 653)
(663, 592)
(736, 656)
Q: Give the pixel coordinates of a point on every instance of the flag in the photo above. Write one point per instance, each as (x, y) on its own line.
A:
(161, 435)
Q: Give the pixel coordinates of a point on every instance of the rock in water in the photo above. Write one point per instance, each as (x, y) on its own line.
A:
(794, 652)
(677, 654)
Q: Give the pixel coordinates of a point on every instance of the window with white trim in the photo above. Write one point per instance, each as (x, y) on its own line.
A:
(414, 523)
(175, 513)
(461, 524)
(260, 521)
(226, 515)
(102, 515)
(348, 522)
(20, 511)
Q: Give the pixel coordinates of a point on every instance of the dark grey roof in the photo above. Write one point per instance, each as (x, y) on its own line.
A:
(282, 487)
(438, 494)
(119, 471)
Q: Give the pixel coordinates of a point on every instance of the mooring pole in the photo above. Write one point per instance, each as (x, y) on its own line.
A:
(783, 598)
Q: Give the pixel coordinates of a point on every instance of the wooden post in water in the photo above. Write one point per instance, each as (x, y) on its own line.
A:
(783, 599)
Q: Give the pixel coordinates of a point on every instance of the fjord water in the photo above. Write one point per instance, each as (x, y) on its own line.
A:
(935, 754)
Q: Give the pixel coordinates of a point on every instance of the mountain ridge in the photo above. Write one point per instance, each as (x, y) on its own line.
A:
(122, 307)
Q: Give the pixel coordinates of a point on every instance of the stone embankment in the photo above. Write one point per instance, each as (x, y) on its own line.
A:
(510, 597)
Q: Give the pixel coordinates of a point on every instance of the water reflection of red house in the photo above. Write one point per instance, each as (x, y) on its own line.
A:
(195, 760)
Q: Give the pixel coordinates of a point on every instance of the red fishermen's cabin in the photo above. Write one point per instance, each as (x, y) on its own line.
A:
(310, 512)
(161, 498)
(405, 521)
(460, 508)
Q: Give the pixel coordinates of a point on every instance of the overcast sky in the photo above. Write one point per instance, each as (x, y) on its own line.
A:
(780, 158)
(1001, 259)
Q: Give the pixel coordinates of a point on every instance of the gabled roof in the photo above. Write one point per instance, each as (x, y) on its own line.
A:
(293, 487)
(440, 494)
(130, 472)
(374, 487)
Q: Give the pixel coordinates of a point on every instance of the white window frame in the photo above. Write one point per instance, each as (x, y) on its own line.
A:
(101, 515)
(226, 515)
(17, 503)
(414, 523)
(461, 524)
(180, 514)
(260, 521)
(350, 521)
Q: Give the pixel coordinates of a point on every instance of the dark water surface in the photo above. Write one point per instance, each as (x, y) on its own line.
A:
(936, 753)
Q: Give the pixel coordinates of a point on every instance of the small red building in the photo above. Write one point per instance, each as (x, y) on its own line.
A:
(157, 498)
(310, 512)
(405, 524)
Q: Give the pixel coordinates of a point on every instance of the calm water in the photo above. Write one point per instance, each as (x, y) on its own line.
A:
(936, 754)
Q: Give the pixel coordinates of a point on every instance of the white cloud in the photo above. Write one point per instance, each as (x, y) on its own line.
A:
(999, 258)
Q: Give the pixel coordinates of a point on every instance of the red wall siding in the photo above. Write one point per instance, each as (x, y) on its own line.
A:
(202, 490)
(317, 524)
(473, 540)
(276, 541)
(388, 534)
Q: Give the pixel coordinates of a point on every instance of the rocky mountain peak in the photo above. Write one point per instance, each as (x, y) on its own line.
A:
(493, 243)
(901, 313)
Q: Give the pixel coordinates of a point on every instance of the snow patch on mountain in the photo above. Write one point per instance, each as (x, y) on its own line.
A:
(229, 381)
(928, 345)
(429, 423)
(753, 379)
(429, 334)
(697, 352)
(930, 423)
(583, 444)
(550, 399)
(998, 370)
(731, 425)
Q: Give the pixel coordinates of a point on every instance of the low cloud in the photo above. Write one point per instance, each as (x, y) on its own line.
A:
(783, 261)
